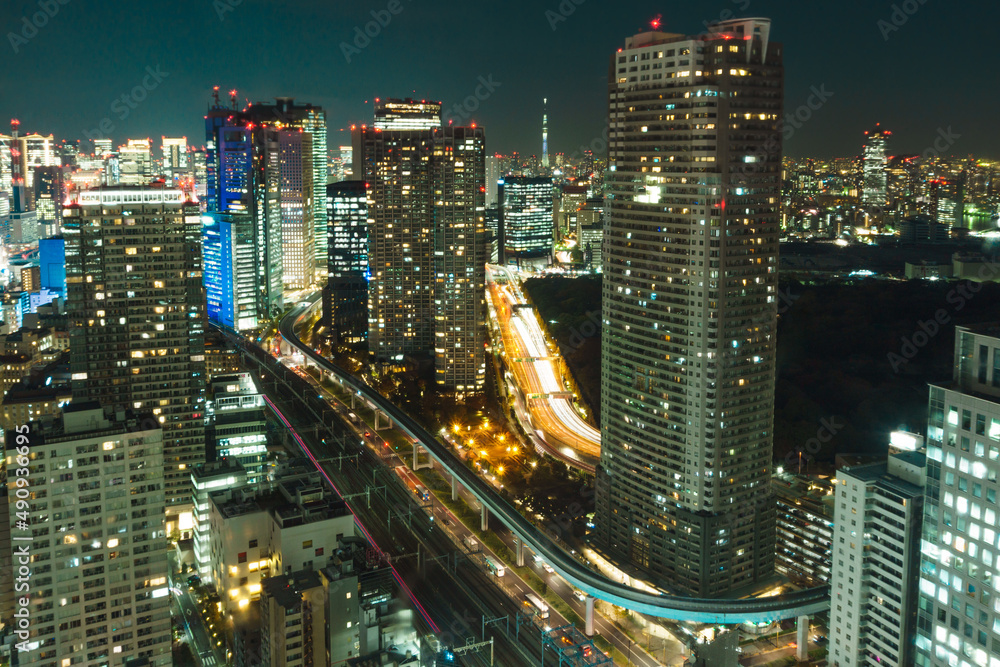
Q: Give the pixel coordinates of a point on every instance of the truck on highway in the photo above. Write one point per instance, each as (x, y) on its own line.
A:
(470, 543)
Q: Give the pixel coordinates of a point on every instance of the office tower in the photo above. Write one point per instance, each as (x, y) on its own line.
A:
(102, 147)
(408, 114)
(238, 425)
(303, 177)
(426, 248)
(243, 176)
(689, 307)
(958, 619)
(174, 153)
(136, 310)
(492, 219)
(295, 203)
(52, 264)
(135, 162)
(345, 297)
(545, 133)
(526, 216)
(199, 171)
(230, 273)
(346, 163)
(573, 198)
(98, 590)
(873, 161)
(875, 561)
(493, 177)
(49, 196)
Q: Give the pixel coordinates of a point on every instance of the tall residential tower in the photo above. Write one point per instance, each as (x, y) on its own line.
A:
(136, 310)
(690, 288)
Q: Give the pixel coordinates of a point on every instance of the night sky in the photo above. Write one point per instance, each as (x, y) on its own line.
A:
(937, 70)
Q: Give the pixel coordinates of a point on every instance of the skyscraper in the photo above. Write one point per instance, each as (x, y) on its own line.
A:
(873, 162)
(690, 288)
(345, 297)
(230, 272)
(427, 247)
(295, 157)
(526, 216)
(958, 620)
(135, 162)
(174, 155)
(99, 592)
(243, 176)
(310, 119)
(876, 561)
(136, 310)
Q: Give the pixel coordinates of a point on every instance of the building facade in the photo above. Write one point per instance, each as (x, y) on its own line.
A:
(427, 248)
(876, 557)
(136, 309)
(98, 585)
(959, 618)
(345, 298)
(689, 307)
(873, 166)
(526, 216)
(231, 294)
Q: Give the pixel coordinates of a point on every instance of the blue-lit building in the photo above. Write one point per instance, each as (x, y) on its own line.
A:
(230, 270)
(526, 226)
(345, 298)
(52, 264)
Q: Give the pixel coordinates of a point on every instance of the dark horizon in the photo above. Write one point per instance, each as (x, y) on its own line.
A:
(870, 61)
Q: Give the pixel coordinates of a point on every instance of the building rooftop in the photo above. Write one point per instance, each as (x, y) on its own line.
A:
(287, 590)
(879, 473)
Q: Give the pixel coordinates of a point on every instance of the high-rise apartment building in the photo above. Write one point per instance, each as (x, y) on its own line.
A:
(526, 216)
(345, 297)
(873, 164)
(238, 428)
(98, 585)
(689, 307)
(136, 311)
(427, 248)
(958, 622)
(231, 294)
(875, 561)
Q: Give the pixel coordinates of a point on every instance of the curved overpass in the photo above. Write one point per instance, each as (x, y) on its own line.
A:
(716, 611)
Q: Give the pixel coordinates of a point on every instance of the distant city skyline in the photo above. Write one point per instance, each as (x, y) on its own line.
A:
(512, 57)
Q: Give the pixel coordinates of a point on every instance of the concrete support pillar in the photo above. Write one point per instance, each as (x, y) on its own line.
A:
(589, 621)
(485, 525)
(454, 482)
(802, 640)
(519, 548)
(353, 398)
(377, 413)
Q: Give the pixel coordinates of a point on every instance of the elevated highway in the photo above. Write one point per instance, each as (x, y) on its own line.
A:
(596, 585)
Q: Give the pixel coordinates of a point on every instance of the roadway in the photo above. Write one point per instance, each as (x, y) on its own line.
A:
(577, 574)
(535, 370)
(458, 595)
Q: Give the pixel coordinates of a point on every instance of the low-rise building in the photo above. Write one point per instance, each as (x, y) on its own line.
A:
(804, 527)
